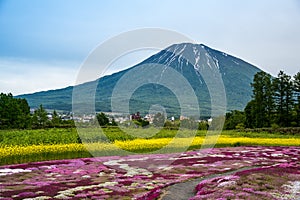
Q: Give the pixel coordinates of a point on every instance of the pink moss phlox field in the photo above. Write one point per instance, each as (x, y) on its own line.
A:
(240, 172)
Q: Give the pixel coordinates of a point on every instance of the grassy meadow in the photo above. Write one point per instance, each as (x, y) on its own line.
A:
(20, 146)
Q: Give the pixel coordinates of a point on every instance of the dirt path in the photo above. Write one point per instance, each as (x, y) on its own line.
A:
(186, 190)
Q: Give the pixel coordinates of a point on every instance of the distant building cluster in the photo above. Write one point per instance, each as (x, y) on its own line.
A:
(65, 116)
(117, 117)
(84, 118)
(135, 116)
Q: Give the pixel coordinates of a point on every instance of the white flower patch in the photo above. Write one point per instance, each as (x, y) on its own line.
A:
(197, 165)
(245, 151)
(237, 164)
(63, 196)
(171, 158)
(293, 188)
(187, 157)
(66, 194)
(217, 156)
(51, 174)
(138, 159)
(277, 154)
(227, 183)
(38, 198)
(227, 168)
(131, 171)
(102, 174)
(7, 171)
(113, 162)
(283, 161)
(47, 167)
(269, 150)
(167, 168)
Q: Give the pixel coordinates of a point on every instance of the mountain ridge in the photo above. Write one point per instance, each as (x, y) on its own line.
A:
(186, 58)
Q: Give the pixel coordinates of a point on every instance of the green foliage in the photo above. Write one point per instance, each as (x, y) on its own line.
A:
(172, 125)
(297, 97)
(56, 120)
(102, 119)
(234, 120)
(113, 122)
(275, 126)
(283, 86)
(189, 124)
(275, 100)
(262, 99)
(14, 113)
(240, 126)
(39, 118)
(203, 125)
(250, 114)
(143, 123)
(159, 120)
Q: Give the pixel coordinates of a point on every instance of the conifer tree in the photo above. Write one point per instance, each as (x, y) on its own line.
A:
(297, 97)
(283, 88)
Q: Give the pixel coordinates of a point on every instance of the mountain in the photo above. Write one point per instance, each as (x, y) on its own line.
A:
(200, 65)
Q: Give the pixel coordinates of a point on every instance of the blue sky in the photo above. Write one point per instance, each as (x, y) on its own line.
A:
(43, 43)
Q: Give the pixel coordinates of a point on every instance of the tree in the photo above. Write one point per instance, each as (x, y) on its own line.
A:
(263, 102)
(283, 87)
(159, 120)
(39, 118)
(23, 119)
(297, 97)
(203, 125)
(172, 124)
(113, 122)
(141, 122)
(250, 114)
(14, 113)
(56, 120)
(102, 119)
(5, 110)
(233, 119)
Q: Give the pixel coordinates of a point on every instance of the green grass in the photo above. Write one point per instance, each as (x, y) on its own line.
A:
(235, 133)
(36, 137)
(111, 134)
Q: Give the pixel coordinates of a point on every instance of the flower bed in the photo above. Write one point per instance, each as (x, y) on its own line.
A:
(273, 182)
(272, 172)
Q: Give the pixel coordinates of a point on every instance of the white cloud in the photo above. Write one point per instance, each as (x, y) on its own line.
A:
(19, 76)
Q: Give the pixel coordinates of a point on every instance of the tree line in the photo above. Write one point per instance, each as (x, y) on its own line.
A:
(15, 114)
(275, 103)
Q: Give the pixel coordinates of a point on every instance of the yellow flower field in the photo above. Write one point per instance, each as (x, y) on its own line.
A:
(135, 146)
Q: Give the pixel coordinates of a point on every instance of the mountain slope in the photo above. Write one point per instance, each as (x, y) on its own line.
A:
(190, 60)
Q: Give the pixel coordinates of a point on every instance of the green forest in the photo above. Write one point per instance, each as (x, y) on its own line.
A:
(15, 114)
(275, 103)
